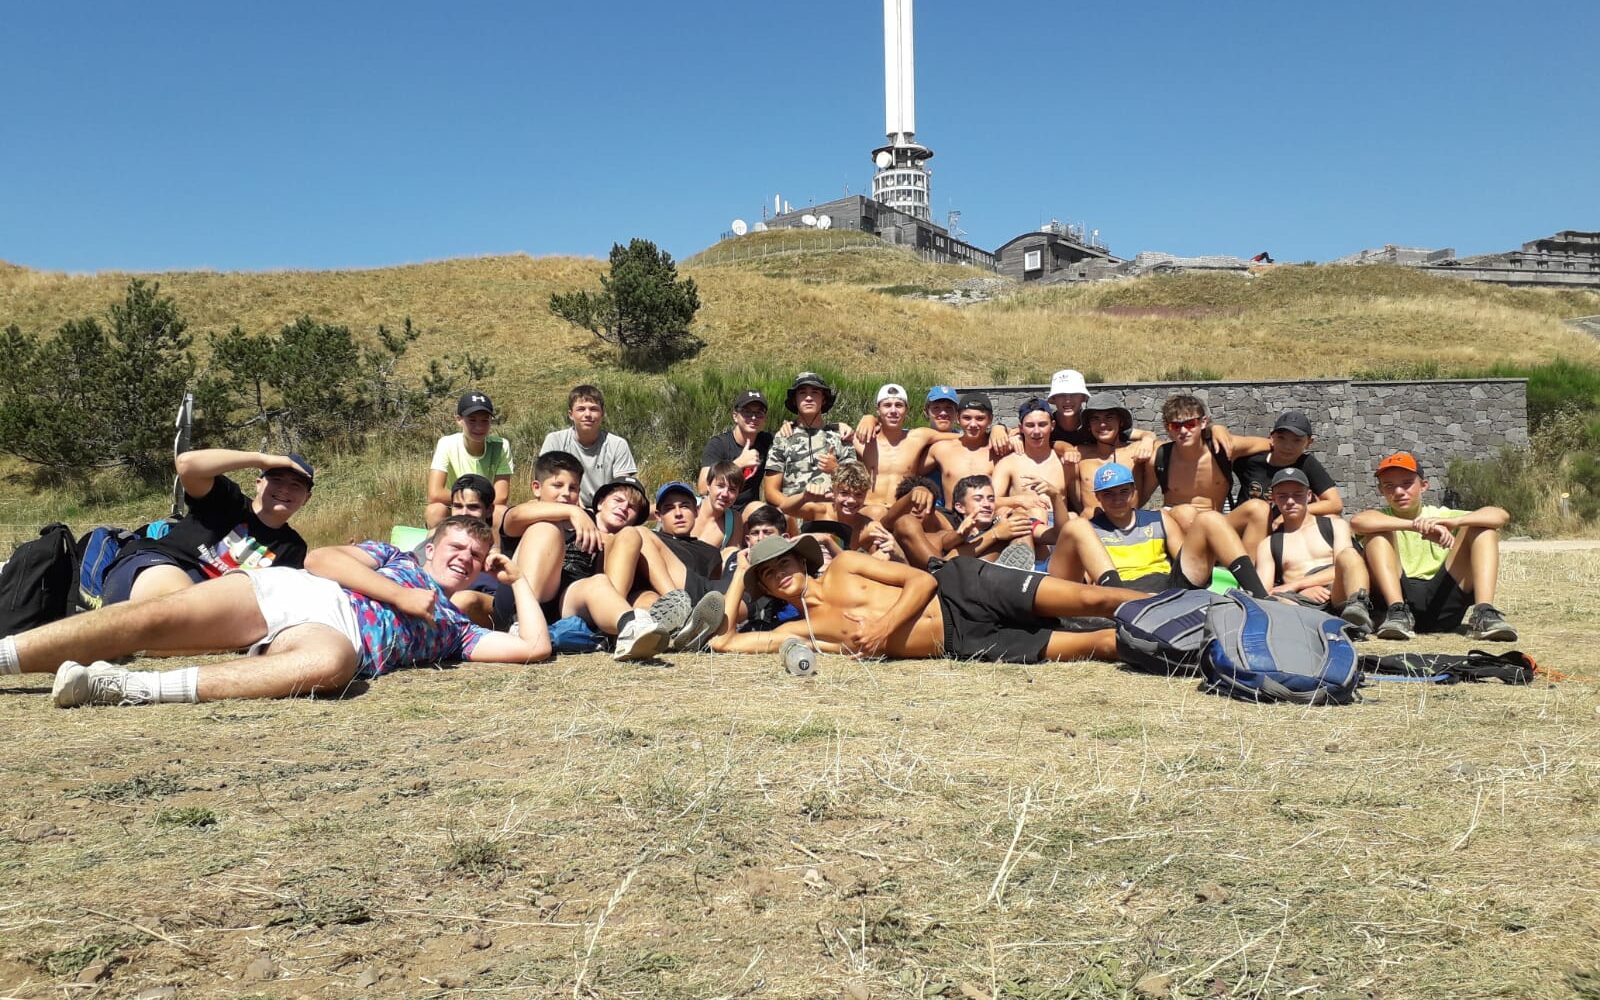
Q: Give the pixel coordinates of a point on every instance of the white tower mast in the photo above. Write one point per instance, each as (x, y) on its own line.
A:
(901, 180)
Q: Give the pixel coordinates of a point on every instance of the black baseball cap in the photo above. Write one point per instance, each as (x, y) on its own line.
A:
(748, 396)
(474, 402)
(1035, 405)
(975, 401)
(302, 470)
(1293, 420)
(1290, 475)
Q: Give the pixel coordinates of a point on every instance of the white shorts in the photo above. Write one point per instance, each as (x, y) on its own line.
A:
(290, 597)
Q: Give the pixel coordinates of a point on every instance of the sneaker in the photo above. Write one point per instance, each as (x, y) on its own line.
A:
(100, 683)
(1486, 622)
(797, 658)
(646, 634)
(1017, 555)
(1398, 623)
(703, 623)
(1357, 613)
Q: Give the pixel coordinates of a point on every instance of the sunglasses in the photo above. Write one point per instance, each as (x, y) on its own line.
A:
(1185, 425)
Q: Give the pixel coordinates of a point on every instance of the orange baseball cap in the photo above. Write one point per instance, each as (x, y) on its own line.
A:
(1400, 460)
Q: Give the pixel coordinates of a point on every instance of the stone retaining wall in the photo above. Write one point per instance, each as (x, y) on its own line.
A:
(1355, 423)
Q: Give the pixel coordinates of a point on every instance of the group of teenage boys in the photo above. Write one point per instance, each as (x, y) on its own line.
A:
(963, 538)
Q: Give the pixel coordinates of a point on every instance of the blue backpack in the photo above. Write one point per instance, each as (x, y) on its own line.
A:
(574, 634)
(1247, 648)
(1272, 651)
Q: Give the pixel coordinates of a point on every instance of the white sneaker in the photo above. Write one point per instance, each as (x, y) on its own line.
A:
(100, 683)
(703, 623)
(642, 638)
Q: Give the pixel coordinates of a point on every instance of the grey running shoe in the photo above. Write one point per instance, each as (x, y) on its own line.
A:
(1017, 555)
(648, 632)
(1357, 613)
(797, 658)
(100, 683)
(1486, 622)
(1398, 623)
(703, 623)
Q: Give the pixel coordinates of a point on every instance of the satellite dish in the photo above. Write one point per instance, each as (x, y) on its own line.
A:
(884, 160)
(824, 221)
(759, 227)
(739, 227)
(808, 219)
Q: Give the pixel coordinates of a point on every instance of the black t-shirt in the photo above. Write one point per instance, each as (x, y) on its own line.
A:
(1254, 475)
(221, 532)
(723, 448)
(699, 558)
(1079, 437)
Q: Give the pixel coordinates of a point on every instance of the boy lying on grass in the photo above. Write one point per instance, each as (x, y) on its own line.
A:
(360, 611)
(965, 609)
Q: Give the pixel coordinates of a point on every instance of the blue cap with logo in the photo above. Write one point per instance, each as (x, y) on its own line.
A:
(943, 392)
(1111, 475)
(676, 486)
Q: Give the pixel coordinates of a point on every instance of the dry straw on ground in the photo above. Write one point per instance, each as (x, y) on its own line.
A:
(716, 828)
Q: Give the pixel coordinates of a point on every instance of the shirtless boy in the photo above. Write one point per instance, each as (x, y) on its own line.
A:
(965, 609)
(720, 520)
(1026, 478)
(892, 452)
(970, 527)
(1068, 395)
(1432, 566)
(1110, 426)
(1195, 469)
(970, 454)
(641, 563)
(1124, 546)
(1310, 559)
(848, 503)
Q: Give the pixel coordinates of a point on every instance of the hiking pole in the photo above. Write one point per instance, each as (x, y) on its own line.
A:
(180, 444)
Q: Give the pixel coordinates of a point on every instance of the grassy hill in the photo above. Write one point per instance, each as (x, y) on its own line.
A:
(818, 299)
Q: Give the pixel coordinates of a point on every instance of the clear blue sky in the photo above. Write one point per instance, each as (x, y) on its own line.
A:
(294, 135)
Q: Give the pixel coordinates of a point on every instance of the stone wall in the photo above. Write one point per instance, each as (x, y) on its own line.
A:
(1356, 423)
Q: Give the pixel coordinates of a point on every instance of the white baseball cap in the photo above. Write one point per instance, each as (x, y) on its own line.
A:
(1068, 382)
(890, 391)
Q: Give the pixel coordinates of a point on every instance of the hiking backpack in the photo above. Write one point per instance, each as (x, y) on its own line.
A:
(96, 551)
(1166, 632)
(1266, 650)
(37, 583)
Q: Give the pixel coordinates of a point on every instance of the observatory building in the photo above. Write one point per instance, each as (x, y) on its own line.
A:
(900, 209)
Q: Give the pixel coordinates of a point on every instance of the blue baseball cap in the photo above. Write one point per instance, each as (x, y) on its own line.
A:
(1111, 475)
(676, 486)
(942, 392)
(1035, 405)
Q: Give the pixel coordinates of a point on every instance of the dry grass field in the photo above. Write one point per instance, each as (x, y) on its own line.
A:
(714, 828)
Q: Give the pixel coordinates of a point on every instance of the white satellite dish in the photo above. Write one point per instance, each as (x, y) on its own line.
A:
(824, 221)
(759, 227)
(884, 159)
(808, 219)
(739, 227)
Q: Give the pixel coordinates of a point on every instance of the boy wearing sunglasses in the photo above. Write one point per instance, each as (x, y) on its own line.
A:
(1195, 469)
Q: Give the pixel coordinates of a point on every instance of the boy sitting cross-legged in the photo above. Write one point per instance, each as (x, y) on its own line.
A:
(1432, 566)
(1310, 559)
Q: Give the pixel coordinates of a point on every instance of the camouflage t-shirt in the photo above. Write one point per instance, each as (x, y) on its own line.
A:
(795, 454)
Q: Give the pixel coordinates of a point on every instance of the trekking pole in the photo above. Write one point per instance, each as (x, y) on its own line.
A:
(180, 444)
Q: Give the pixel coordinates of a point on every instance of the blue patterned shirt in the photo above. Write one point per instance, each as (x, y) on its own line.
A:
(390, 638)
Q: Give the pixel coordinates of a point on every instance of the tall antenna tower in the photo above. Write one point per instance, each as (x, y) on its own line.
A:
(901, 181)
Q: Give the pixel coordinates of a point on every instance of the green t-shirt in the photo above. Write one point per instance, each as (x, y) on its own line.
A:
(1421, 559)
(450, 457)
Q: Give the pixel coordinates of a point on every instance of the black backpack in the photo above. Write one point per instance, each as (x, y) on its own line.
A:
(1514, 667)
(39, 582)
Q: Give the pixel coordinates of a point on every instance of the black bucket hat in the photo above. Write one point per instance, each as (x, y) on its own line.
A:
(812, 379)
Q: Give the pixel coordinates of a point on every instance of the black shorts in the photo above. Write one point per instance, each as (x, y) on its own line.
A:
(988, 612)
(1439, 602)
(505, 602)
